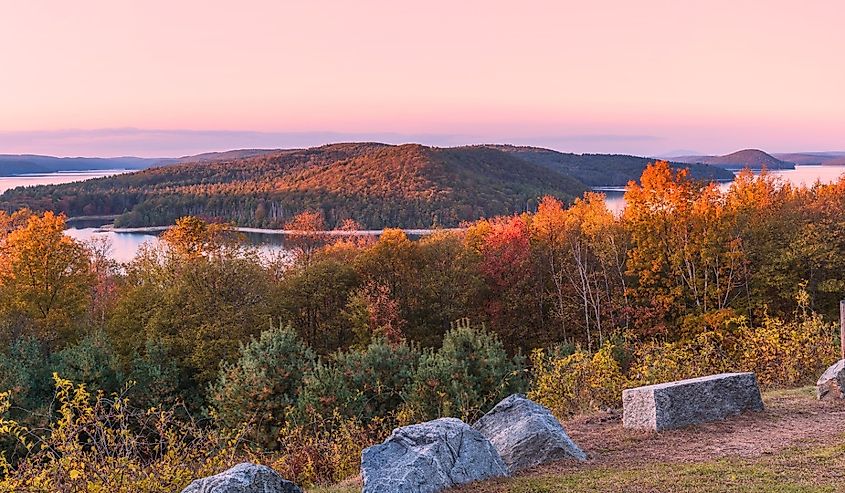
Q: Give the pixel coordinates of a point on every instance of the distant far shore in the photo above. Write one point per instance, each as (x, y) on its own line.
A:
(106, 217)
(357, 232)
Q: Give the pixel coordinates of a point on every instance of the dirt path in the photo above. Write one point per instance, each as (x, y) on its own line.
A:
(636, 461)
(791, 418)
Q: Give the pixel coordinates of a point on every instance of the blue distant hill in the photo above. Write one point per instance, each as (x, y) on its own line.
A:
(21, 164)
(746, 158)
(12, 164)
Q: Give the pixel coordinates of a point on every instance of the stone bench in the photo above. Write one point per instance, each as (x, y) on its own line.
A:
(686, 402)
(831, 384)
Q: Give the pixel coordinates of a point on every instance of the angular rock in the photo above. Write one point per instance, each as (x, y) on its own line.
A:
(526, 434)
(687, 402)
(831, 384)
(430, 457)
(243, 478)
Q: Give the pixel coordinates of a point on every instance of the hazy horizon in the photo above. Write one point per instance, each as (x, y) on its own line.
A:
(648, 78)
(114, 143)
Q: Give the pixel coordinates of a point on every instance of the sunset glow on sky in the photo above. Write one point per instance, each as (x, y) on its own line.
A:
(154, 77)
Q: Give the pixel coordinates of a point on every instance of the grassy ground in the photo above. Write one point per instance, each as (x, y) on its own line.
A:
(796, 445)
(820, 469)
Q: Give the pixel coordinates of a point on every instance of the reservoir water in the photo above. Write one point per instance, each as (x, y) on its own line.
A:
(124, 246)
(32, 179)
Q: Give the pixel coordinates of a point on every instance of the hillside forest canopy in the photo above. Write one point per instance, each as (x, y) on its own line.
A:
(200, 352)
(376, 185)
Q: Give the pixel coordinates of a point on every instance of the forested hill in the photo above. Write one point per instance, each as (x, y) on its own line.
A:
(604, 170)
(377, 185)
(746, 158)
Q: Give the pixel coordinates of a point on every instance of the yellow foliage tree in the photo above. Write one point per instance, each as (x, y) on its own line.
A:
(580, 382)
(193, 237)
(45, 277)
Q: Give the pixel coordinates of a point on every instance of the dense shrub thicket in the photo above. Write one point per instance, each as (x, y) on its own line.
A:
(465, 377)
(262, 383)
(365, 384)
(199, 352)
(781, 353)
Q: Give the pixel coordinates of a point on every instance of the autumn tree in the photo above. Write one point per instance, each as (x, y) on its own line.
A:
(685, 254)
(390, 262)
(198, 296)
(106, 275)
(373, 313)
(314, 299)
(811, 238)
(13, 221)
(192, 237)
(305, 233)
(582, 251)
(514, 307)
(349, 234)
(45, 279)
(448, 286)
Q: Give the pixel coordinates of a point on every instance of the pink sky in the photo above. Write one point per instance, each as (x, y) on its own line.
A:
(646, 77)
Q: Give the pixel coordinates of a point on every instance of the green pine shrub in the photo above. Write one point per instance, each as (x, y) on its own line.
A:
(466, 377)
(262, 384)
(362, 384)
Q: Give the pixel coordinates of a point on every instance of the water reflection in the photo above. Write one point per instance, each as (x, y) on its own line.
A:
(124, 246)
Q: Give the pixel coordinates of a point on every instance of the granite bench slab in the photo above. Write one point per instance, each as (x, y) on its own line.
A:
(687, 402)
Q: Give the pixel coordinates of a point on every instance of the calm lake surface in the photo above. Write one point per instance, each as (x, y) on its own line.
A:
(28, 180)
(126, 245)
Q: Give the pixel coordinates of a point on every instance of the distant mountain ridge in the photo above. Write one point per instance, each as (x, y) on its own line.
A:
(378, 185)
(604, 170)
(20, 164)
(222, 156)
(746, 158)
(814, 158)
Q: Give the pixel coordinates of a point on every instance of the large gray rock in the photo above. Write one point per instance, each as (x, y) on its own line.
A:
(831, 384)
(243, 478)
(430, 457)
(687, 402)
(526, 434)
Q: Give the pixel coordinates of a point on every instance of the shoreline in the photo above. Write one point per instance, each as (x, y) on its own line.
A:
(282, 232)
(105, 217)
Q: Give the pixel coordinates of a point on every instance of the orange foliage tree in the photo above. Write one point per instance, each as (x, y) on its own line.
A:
(305, 234)
(513, 307)
(686, 254)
